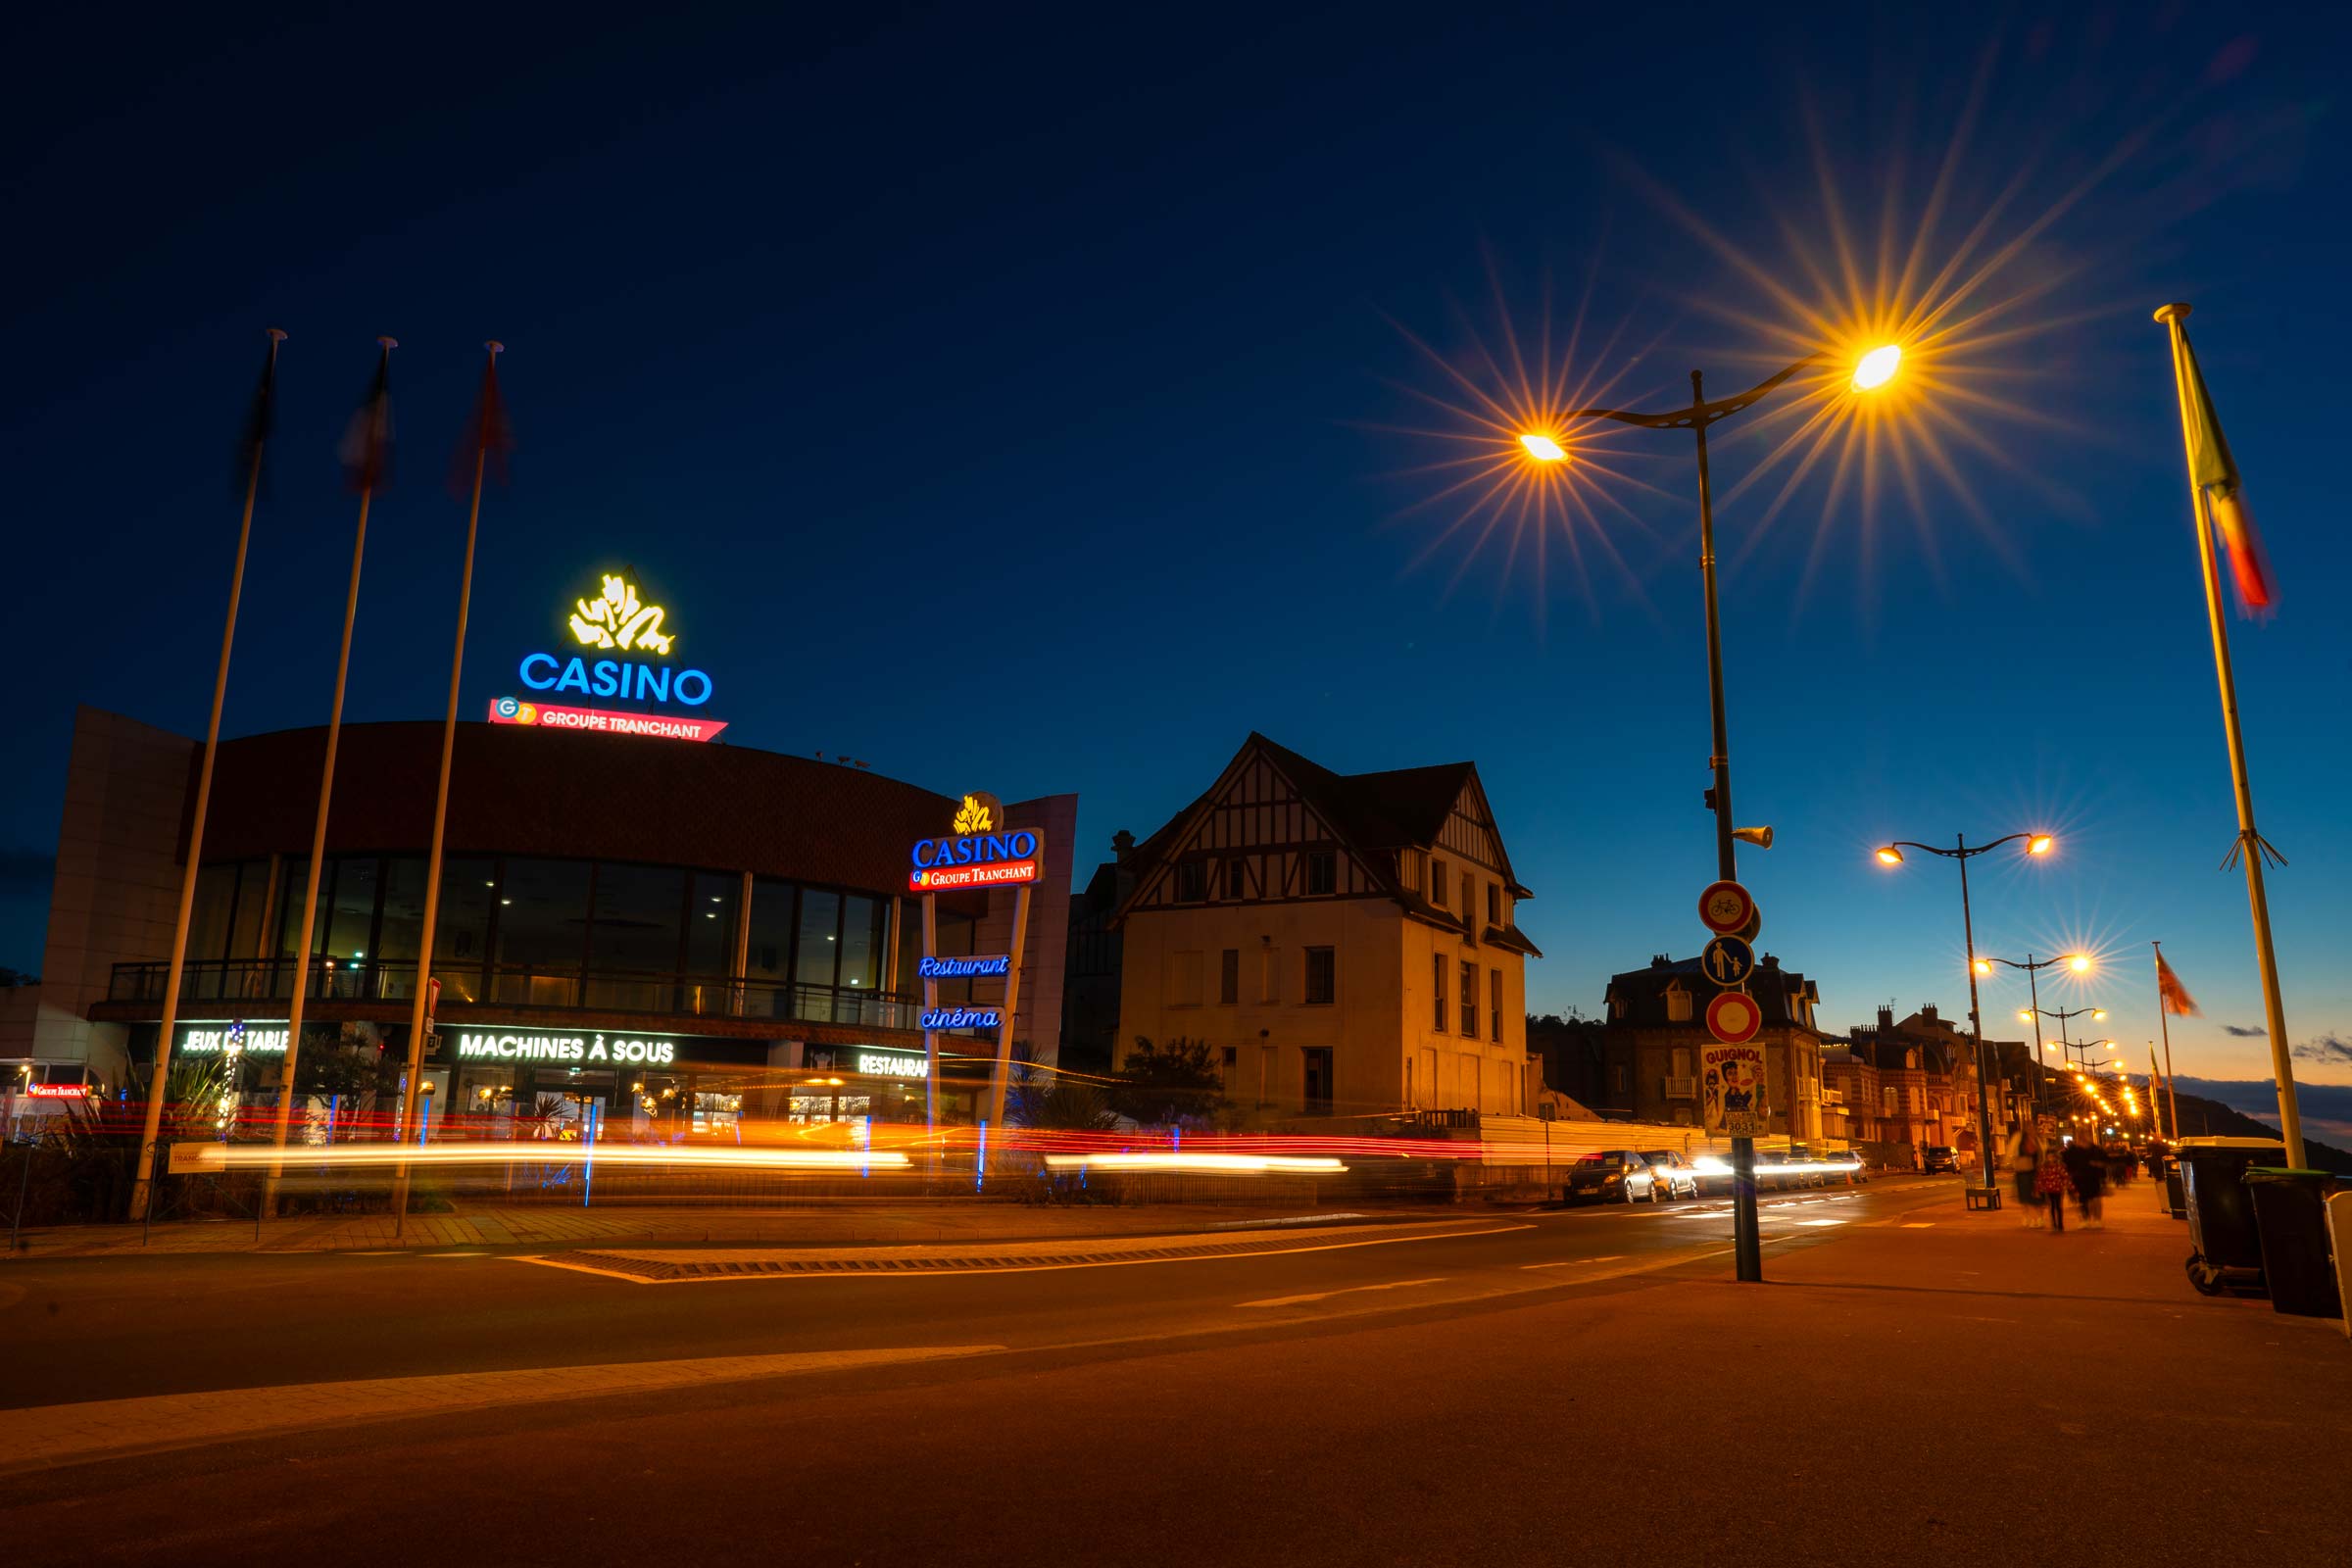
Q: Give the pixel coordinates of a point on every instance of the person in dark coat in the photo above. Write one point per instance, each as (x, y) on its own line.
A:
(2086, 1169)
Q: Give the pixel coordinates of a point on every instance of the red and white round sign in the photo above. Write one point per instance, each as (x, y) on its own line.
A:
(1734, 1017)
(1725, 909)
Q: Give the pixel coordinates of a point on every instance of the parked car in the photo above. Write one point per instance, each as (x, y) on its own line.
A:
(1855, 1169)
(1938, 1157)
(1611, 1176)
(1670, 1176)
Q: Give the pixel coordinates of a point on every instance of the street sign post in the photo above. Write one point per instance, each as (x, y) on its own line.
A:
(1727, 961)
(1725, 908)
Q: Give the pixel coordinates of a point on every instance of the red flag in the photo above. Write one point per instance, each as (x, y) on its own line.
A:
(488, 435)
(2177, 1000)
(368, 444)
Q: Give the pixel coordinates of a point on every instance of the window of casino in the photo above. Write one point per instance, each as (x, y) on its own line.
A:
(541, 932)
(636, 929)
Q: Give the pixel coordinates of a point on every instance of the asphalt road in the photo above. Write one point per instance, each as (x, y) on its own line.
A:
(1554, 1387)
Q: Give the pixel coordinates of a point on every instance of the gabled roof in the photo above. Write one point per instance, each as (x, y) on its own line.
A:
(1395, 808)
(1643, 991)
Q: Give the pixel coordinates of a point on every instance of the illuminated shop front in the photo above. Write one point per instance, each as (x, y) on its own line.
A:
(729, 923)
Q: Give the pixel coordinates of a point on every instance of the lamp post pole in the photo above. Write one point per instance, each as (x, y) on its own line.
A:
(2034, 1014)
(2035, 844)
(1747, 1235)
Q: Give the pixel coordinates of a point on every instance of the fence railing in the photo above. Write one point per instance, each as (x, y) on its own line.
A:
(229, 982)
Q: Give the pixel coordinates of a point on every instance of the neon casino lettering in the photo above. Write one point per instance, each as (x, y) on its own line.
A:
(963, 1018)
(931, 968)
(977, 849)
(566, 1047)
(614, 677)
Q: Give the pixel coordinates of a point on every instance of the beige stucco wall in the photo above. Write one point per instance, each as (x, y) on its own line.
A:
(1378, 1027)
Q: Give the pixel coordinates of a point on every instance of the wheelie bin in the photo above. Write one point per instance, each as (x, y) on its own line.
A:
(2290, 1217)
(2225, 1248)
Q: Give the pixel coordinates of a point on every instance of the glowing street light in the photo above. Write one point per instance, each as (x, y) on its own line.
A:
(1962, 851)
(1542, 448)
(1876, 367)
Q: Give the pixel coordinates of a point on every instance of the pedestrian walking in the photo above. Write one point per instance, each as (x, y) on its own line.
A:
(2050, 1183)
(2086, 1169)
(2025, 1171)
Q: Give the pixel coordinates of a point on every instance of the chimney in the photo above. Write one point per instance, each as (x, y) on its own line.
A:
(1928, 1011)
(1887, 1020)
(1122, 845)
(1659, 960)
(1771, 962)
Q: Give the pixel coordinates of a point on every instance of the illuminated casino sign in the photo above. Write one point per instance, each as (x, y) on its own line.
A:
(983, 854)
(997, 967)
(211, 1039)
(616, 622)
(963, 1018)
(538, 1044)
(891, 1064)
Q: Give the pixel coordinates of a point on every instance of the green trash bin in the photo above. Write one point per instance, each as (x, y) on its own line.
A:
(2291, 1214)
(2220, 1215)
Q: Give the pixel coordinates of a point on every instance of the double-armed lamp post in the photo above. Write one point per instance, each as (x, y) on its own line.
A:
(1871, 370)
(1963, 851)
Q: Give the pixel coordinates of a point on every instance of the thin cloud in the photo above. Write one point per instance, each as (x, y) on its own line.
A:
(2241, 1031)
(2334, 1051)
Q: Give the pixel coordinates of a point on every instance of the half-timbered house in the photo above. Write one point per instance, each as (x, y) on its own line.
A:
(1345, 944)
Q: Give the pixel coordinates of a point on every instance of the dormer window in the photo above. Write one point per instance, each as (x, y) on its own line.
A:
(1192, 881)
(1678, 1005)
(1437, 882)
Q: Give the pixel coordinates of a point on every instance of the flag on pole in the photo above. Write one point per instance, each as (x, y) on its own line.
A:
(2215, 471)
(2175, 996)
(368, 445)
(488, 435)
(261, 421)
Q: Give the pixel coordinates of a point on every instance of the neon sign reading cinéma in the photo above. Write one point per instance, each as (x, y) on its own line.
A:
(963, 1018)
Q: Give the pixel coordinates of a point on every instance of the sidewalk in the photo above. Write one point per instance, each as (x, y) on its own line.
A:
(839, 1223)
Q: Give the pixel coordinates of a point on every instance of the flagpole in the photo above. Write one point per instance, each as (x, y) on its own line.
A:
(432, 872)
(326, 774)
(153, 1125)
(2249, 841)
(2164, 1026)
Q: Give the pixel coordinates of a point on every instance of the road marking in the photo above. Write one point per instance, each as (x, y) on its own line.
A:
(1325, 1295)
(1919, 1225)
(454, 1254)
(980, 1266)
(1573, 1262)
(44, 1437)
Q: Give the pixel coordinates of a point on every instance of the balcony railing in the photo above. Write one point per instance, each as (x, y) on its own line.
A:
(228, 983)
(1680, 1087)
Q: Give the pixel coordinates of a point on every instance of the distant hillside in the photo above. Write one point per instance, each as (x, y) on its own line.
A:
(2201, 1117)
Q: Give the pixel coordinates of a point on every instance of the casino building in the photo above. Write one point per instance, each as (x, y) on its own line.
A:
(630, 925)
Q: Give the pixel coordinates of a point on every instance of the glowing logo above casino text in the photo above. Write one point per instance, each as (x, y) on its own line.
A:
(619, 618)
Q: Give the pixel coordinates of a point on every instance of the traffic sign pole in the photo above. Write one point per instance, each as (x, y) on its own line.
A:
(1727, 908)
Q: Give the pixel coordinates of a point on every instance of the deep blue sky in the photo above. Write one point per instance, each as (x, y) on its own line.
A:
(1001, 399)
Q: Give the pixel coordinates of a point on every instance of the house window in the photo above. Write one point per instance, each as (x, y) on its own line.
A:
(1184, 979)
(1322, 966)
(1229, 976)
(1232, 1062)
(1192, 881)
(1494, 904)
(1316, 1085)
(1322, 872)
(1469, 892)
(1620, 1079)
(1470, 1000)
(1437, 980)
(1495, 1004)
(1236, 879)
(1678, 1006)
(1437, 882)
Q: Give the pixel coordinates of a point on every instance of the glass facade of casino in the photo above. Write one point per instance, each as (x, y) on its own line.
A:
(562, 933)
